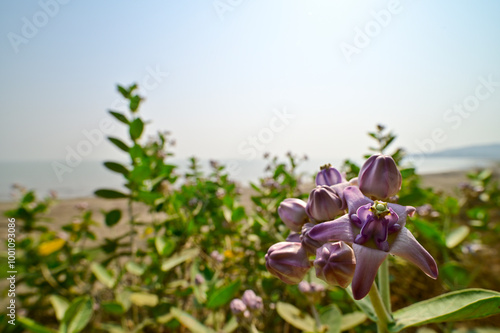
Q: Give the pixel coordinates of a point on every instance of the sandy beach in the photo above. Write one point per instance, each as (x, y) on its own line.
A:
(64, 210)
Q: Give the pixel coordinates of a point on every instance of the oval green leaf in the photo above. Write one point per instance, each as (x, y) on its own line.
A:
(102, 275)
(117, 167)
(110, 194)
(136, 128)
(33, 326)
(60, 305)
(77, 316)
(457, 236)
(295, 317)
(113, 217)
(120, 116)
(331, 317)
(460, 305)
(189, 322)
(119, 143)
(223, 295)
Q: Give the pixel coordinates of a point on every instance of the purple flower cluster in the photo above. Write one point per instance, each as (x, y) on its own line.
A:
(347, 229)
(248, 304)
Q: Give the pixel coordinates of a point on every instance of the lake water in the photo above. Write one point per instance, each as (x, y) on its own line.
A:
(84, 179)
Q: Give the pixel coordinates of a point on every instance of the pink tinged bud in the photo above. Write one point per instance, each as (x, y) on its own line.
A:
(237, 307)
(293, 213)
(335, 263)
(379, 177)
(324, 204)
(252, 301)
(288, 261)
(329, 176)
(304, 287)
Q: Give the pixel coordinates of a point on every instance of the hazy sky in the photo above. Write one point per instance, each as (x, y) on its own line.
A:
(235, 78)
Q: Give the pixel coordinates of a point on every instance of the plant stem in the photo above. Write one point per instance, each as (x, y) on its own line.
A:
(316, 317)
(384, 318)
(384, 285)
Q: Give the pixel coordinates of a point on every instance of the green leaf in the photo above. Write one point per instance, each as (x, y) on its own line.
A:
(77, 316)
(60, 305)
(110, 194)
(179, 259)
(134, 103)
(238, 214)
(231, 326)
(295, 317)
(135, 268)
(460, 305)
(223, 295)
(33, 326)
(125, 92)
(429, 231)
(455, 276)
(136, 128)
(164, 245)
(102, 275)
(117, 167)
(189, 322)
(120, 116)
(457, 236)
(119, 143)
(113, 307)
(331, 317)
(351, 320)
(113, 217)
(144, 299)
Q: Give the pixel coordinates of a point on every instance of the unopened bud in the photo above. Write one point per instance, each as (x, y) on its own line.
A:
(335, 263)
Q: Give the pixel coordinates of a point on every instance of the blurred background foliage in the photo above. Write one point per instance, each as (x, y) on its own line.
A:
(203, 244)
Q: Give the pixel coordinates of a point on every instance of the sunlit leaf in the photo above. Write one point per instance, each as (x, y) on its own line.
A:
(457, 236)
(77, 316)
(295, 317)
(189, 322)
(351, 320)
(144, 299)
(179, 259)
(60, 305)
(331, 317)
(102, 275)
(460, 305)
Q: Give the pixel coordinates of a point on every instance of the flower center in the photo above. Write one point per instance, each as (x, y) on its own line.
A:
(376, 222)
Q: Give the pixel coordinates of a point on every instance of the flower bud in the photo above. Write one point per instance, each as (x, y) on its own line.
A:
(199, 279)
(335, 263)
(288, 261)
(293, 213)
(329, 176)
(324, 204)
(238, 308)
(252, 301)
(379, 177)
(309, 244)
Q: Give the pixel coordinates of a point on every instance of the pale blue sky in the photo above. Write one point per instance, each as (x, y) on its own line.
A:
(229, 73)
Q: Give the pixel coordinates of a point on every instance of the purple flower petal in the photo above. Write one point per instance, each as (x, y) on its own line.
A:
(407, 247)
(355, 199)
(368, 261)
(403, 212)
(339, 229)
